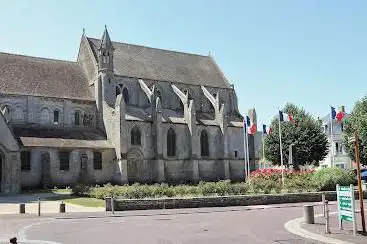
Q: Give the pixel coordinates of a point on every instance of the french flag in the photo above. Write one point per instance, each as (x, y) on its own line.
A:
(288, 117)
(338, 115)
(251, 127)
(265, 131)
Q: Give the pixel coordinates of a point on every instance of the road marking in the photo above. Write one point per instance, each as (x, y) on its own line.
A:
(294, 226)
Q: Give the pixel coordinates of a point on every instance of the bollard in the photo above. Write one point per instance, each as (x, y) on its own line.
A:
(39, 206)
(113, 205)
(327, 224)
(308, 214)
(323, 203)
(62, 207)
(22, 208)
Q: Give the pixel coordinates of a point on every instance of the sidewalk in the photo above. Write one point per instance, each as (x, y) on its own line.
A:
(10, 204)
(345, 235)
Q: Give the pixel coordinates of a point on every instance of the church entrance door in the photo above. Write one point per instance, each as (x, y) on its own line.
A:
(134, 162)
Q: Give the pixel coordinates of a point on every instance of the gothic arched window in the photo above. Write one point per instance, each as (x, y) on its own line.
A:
(135, 136)
(171, 142)
(56, 116)
(77, 118)
(204, 143)
(125, 93)
(45, 116)
(18, 114)
(118, 92)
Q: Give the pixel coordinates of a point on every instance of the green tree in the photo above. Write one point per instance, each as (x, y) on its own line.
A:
(304, 132)
(357, 120)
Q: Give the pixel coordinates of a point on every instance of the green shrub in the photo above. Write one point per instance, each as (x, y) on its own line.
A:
(79, 189)
(327, 179)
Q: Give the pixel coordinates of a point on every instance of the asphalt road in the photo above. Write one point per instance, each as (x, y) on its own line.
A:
(186, 226)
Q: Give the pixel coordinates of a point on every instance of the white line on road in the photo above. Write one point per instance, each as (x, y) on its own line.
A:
(294, 226)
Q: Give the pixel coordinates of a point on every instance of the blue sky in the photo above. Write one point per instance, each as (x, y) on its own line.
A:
(312, 53)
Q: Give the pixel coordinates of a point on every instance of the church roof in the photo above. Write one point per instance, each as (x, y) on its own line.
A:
(163, 65)
(35, 76)
(61, 138)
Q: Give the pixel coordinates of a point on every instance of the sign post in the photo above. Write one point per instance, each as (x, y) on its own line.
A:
(346, 206)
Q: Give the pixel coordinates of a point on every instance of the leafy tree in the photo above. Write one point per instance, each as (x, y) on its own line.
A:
(304, 132)
(356, 120)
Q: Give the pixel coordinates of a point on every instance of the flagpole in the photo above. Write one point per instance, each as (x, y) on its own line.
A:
(247, 155)
(263, 149)
(281, 149)
(245, 146)
(331, 136)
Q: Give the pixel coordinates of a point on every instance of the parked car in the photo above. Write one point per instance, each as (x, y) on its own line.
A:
(363, 174)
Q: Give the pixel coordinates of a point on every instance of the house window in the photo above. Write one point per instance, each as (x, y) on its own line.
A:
(336, 147)
(25, 157)
(204, 142)
(325, 129)
(97, 160)
(135, 136)
(125, 94)
(171, 142)
(64, 160)
(235, 154)
(56, 116)
(77, 118)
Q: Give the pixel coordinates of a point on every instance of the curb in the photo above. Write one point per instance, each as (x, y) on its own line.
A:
(294, 226)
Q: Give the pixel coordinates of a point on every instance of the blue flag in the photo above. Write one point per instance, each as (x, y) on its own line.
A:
(333, 113)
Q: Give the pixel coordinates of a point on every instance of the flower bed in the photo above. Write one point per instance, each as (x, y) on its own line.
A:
(263, 181)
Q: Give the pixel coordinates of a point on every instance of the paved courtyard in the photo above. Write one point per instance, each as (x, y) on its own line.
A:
(255, 225)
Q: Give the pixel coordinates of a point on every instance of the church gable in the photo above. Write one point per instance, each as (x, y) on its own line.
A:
(163, 65)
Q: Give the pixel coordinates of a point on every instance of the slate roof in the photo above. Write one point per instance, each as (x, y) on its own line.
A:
(35, 76)
(163, 65)
(61, 138)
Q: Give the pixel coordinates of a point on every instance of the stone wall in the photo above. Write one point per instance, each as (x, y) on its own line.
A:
(223, 201)
(32, 110)
(32, 178)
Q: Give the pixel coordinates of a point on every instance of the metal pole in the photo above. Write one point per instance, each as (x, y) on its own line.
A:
(263, 150)
(359, 180)
(332, 138)
(247, 155)
(39, 206)
(323, 203)
(281, 151)
(113, 205)
(327, 224)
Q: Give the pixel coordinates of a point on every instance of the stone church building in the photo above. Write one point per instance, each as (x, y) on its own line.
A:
(121, 113)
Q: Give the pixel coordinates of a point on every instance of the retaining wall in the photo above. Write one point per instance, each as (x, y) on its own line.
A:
(218, 201)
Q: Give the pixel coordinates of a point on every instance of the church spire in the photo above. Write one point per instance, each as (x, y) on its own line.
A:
(105, 52)
(106, 40)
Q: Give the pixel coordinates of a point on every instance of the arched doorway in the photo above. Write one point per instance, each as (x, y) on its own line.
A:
(134, 163)
(46, 170)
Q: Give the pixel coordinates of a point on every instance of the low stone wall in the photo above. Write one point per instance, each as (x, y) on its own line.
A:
(218, 201)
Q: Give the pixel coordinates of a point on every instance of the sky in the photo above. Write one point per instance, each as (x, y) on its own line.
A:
(311, 53)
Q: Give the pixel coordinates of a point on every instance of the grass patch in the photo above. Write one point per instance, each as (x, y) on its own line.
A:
(82, 201)
(37, 191)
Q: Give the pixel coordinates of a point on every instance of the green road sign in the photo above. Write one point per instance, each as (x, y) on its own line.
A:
(346, 205)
